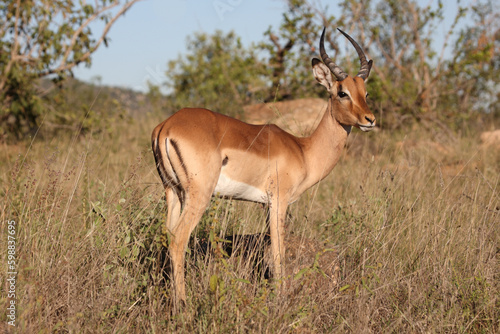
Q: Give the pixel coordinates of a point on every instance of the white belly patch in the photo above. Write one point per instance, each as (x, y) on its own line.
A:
(227, 187)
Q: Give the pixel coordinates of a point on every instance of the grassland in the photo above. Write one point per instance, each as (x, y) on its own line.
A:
(402, 237)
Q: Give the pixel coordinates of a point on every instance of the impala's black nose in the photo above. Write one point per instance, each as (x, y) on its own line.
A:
(369, 119)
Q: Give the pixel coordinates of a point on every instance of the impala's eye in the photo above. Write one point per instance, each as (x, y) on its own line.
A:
(342, 94)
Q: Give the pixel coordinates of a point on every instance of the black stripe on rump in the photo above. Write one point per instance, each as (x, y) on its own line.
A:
(175, 146)
(159, 163)
(167, 179)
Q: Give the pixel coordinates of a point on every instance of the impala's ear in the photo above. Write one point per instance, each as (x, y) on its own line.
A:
(322, 74)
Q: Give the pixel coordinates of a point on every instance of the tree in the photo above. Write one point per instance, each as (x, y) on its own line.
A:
(415, 78)
(218, 73)
(291, 48)
(471, 77)
(45, 39)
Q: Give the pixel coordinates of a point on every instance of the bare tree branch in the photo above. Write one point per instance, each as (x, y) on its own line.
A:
(64, 66)
(78, 31)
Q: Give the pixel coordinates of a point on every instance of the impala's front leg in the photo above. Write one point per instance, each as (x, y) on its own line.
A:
(277, 215)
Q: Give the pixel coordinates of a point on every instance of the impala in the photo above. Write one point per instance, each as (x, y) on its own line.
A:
(200, 153)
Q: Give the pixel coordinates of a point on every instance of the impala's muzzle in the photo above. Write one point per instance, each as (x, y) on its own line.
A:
(370, 125)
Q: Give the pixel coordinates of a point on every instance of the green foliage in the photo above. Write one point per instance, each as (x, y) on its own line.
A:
(413, 79)
(218, 72)
(83, 108)
(40, 39)
(472, 73)
(416, 78)
(290, 51)
(20, 105)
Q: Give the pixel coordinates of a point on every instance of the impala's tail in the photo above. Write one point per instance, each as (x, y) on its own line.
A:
(163, 163)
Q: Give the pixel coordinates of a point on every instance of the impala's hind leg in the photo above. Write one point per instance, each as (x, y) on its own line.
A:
(191, 214)
(196, 177)
(173, 209)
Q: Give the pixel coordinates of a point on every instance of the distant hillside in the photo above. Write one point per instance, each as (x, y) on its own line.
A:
(82, 94)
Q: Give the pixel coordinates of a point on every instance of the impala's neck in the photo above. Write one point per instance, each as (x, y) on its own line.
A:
(323, 148)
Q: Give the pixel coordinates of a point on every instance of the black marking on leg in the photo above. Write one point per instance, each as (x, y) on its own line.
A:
(175, 146)
(224, 162)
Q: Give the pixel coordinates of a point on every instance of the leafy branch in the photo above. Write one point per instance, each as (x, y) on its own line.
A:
(46, 38)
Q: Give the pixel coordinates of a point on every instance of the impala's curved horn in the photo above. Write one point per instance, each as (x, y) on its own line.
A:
(365, 65)
(337, 71)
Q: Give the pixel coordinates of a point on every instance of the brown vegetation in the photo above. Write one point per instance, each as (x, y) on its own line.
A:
(412, 226)
(298, 117)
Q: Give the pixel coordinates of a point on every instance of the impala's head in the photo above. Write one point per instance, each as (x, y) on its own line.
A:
(347, 94)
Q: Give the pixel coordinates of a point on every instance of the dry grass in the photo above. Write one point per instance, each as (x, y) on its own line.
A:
(402, 237)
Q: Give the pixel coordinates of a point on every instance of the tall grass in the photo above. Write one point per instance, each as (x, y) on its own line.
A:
(402, 236)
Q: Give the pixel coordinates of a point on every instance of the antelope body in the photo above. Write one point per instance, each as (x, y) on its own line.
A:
(200, 153)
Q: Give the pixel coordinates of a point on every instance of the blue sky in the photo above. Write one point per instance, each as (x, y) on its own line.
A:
(155, 31)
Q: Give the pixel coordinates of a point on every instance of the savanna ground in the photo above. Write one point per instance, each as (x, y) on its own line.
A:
(402, 237)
